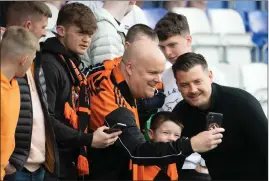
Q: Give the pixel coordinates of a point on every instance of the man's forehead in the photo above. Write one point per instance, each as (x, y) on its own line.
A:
(155, 66)
(172, 39)
(196, 72)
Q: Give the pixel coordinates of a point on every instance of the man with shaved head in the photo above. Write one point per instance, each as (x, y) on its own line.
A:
(146, 107)
(112, 99)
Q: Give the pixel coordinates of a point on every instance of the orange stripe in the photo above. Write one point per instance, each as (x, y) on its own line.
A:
(84, 109)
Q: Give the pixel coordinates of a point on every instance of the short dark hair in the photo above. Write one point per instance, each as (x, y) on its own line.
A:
(159, 118)
(172, 24)
(20, 11)
(140, 29)
(187, 61)
(79, 15)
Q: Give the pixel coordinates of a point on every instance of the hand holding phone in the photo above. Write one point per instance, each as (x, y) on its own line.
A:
(213, 120)
(117, 127)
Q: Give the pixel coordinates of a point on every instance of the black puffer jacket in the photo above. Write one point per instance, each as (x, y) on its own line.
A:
(23, 132)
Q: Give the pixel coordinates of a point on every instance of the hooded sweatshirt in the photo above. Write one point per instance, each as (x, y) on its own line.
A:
(59, 91)
(10, 108)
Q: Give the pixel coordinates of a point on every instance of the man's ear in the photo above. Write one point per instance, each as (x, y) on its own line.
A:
(128, 67)
(127, 44)
(150, 133)
(27, 25)
(23, 59)
(189, 40)
(178, 87)
(60, 30)
(210, 74)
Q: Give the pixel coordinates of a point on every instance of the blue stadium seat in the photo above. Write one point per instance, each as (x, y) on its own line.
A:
(258, 21)
(258, 26)
(152, 4)
(217, 4)
(243, 7)
(154, 15)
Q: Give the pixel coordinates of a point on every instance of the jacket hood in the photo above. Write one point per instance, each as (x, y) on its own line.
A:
(54, 46)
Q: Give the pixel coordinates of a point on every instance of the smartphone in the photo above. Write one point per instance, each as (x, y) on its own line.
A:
(213, 120)
(115, 128)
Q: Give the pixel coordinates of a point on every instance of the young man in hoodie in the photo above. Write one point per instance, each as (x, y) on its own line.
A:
(18, 49)
(67, 89)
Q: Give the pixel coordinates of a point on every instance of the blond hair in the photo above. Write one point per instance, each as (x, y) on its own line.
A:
(18, 41)
(21, 11)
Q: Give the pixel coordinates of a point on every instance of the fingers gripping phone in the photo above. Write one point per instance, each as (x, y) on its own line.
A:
(213, 120)
(117, 127)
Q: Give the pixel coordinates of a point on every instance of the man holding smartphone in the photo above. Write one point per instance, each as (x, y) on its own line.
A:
(243, 154)
(136, 76)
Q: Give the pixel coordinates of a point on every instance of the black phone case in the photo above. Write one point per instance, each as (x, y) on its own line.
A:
(213, 120)
(117, 127)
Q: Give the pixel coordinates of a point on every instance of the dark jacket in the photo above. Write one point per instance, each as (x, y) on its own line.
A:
(59, 89)
(111, 103)
(25, 123)
(147, 107)
(243, 153)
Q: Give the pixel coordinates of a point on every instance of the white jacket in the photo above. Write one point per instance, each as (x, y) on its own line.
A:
(136, 16)
(107, 42)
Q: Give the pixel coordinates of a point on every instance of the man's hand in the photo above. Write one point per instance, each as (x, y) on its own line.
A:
(102, 139)
(201, 169)
(207, 140)
(9, 169)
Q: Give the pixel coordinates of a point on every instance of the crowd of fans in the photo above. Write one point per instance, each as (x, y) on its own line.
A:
(72, 71)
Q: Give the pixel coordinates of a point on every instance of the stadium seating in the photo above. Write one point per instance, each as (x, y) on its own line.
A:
(152, 4)
(217, 4)
(253, 78)
(237, 42)
(258, 26)
(226, 21)
(203, 40)
(154, 15)
(231, 73)
(244, 6)
(195, 15)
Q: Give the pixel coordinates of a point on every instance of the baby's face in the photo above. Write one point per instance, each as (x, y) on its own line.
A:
(168, 131)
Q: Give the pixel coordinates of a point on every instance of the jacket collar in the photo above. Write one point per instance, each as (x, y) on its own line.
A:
(213, 96)
(119, 80)
(53, 45)
(102, 14)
